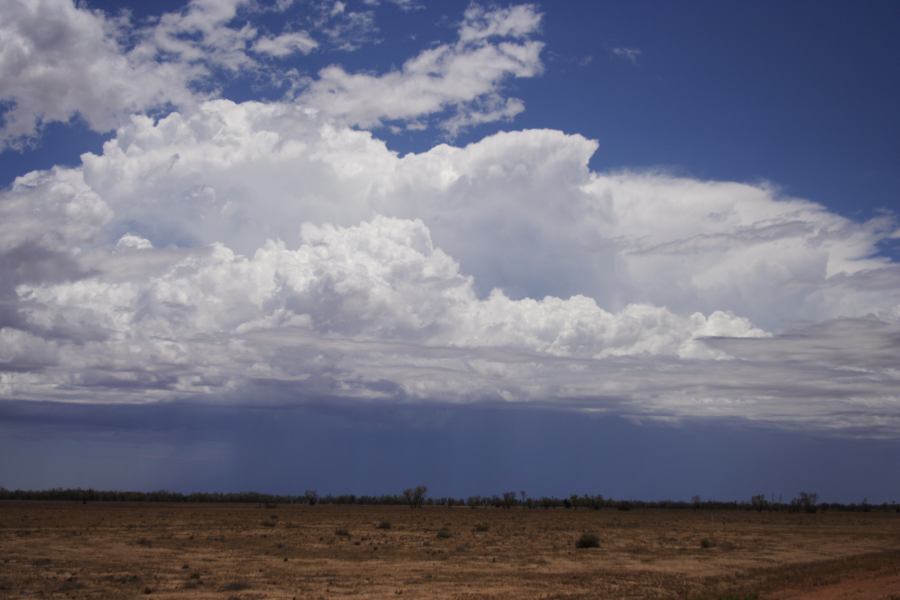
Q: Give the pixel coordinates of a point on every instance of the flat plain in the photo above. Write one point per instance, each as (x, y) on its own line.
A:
(248, 551)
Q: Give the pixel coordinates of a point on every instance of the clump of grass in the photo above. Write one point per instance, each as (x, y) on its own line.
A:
(480, 527)
(383, 525)
(588, 540)
(707, 543)
(342, 532)
(443, 533)
(235, 586)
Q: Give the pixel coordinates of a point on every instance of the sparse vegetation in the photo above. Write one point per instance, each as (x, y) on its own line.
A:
(383, 525)
(588, 540)
(707, 543)
(235, 586)
(417, 498)
(198, 549)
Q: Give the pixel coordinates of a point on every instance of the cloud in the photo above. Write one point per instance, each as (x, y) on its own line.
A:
(285, 44)
(460, 78)
(227, 248)
(630, 54)
(518, 22)
(57, 61)
(404, 5)
(252, 245)
(344, 29)
(240, 174)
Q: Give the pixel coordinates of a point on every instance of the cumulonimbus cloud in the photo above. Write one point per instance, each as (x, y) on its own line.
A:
(232, 251)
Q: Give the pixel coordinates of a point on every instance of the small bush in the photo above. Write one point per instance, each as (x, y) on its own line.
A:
(480, 527)
(707, 543)
(383, 525)
(235, 586)
(342, 532)
(588, 540)
(443, 534)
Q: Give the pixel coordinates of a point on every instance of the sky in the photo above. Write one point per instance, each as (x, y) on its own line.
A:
(642, 249)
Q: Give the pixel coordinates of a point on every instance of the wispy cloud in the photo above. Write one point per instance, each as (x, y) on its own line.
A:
(630, 54)
(463, 79)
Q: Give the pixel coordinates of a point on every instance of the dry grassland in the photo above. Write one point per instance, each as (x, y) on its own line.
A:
(226, 552)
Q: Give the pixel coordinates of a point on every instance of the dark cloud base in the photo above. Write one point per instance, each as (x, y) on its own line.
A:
(456, 450)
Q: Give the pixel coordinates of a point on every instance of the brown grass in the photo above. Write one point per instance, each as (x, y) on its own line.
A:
(61, 550)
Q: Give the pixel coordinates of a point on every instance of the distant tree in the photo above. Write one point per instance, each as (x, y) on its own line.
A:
(509, 499)
(696, 501)
(805, 501)
(311, 496)
(415, 497)
(758, 502)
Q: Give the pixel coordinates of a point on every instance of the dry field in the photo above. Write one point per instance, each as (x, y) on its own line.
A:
(70, 550)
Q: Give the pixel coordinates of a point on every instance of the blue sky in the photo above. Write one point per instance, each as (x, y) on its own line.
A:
(674, 220)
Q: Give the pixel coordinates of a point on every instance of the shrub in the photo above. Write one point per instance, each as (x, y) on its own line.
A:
(443, 533)
(588, 540)
(707, 543)
(383, 525)
(480, 527)
(342, 532)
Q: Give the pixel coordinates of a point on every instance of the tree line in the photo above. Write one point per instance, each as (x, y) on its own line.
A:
(416, 497)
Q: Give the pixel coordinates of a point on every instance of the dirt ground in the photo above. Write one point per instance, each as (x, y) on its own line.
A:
(103, 550)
